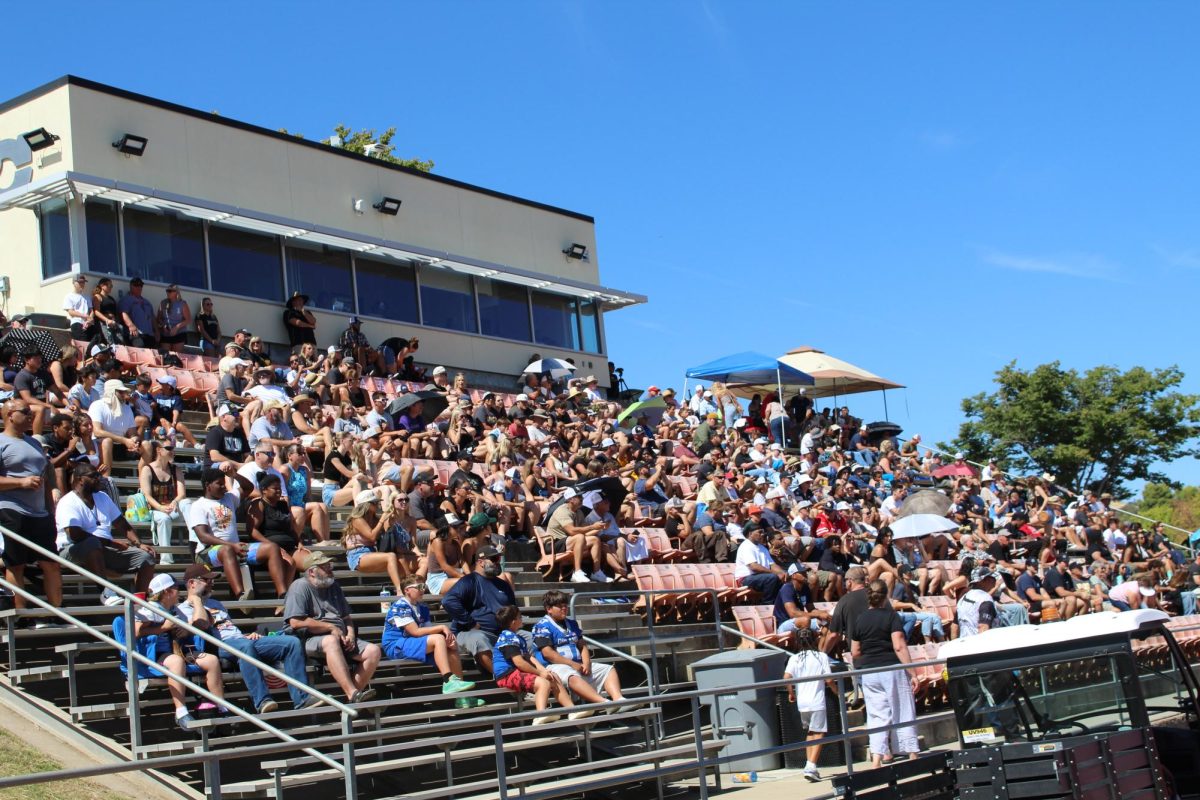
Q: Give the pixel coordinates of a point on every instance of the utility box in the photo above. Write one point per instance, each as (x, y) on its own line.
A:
(748, 718)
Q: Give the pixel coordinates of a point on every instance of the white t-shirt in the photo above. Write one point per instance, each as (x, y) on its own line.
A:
(250, 471)
(269, 392)
(116, 424)
(220, 517)
(73, 512)
(810, 695)
(77, 302)
(750, 553)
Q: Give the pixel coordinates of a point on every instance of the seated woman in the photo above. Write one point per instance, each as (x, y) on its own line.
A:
(361, 538)
(343, 480)
(307, 423)
(269, 520)
(161, 483)
(164, 623)
(444, 562)
(296, 479)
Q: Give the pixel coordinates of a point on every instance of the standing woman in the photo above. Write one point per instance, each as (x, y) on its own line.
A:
(104, 312)
(877, 640)
(174, 319)
(161, 483)
(296, 480)
(727, 402)
(209, 328)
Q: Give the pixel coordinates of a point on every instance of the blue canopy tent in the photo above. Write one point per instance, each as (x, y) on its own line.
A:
(753, 368)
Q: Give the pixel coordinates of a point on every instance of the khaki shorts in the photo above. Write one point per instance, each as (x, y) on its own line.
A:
(824, 578)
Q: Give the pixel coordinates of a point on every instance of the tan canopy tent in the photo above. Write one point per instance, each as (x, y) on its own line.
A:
(833, 376)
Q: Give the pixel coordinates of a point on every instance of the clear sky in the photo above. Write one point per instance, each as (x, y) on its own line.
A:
(928, 190)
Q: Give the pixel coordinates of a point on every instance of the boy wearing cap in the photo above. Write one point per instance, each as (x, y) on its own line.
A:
(167, 409)
(409, 634)
(559, 646)
(208, 614)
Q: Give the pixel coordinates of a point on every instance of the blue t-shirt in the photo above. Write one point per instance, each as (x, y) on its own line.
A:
(564, 638)
(788, 594)
(508, 645)
(399, 615)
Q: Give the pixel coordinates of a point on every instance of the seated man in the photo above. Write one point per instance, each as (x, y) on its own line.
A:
(409, 634)
(207, 614)
(213, 531)
(794, 606)
(559, 646)
(568, 529)
(754, 567)
(86, 519)
(317, 611)
(472, 603)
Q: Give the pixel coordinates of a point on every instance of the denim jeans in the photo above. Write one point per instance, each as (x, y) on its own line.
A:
(269, 650)
(161, 523)
(1189, 602)
(766, 584)
(1013, 614)
(931, 624)
(864, 457)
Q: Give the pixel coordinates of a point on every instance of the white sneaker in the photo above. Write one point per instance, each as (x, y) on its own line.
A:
(811, 774)
(547, 719)
(587, 712)
(579, 577)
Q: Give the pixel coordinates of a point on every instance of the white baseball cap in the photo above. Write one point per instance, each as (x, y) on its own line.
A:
(160, 583)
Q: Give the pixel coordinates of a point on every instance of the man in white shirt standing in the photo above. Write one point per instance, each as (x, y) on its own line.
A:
(78, 308)
(754, 566)
(86, 519)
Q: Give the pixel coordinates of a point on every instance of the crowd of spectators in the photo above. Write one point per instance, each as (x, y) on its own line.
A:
(804, 524)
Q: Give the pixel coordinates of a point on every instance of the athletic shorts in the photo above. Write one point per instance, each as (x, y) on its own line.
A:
(413, 648)
(517, 681)
(596, 679)
(212, 554)
(815, 720)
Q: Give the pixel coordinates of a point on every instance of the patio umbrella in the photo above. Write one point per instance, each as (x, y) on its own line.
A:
(926, 501)
(917, 525)
(611, 488)
(20, 338)
(954, 471)
(555, 366)
(653, 409)
(435, 404)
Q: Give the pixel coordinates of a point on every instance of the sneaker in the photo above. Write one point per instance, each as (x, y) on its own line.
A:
(185, 722)
(811, 774)
(247, 594)
(267, 706)
(363, 695)
(310, 703)
(587, 712)
(579, 577)
(469, 702)
(546, 719)
(110, 598)
(456, 684)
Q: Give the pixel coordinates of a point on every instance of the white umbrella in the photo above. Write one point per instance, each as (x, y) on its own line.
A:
(917, 525)
(555, 366)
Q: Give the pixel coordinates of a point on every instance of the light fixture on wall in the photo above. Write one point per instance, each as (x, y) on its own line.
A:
(132, 145)
(577, 251)
(388, 205)
(39, 139)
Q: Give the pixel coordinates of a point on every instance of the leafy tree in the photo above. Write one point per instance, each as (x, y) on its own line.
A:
(1096, 430)
(364, 142)
(1178, 506)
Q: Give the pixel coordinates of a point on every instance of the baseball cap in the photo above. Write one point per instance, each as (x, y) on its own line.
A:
(316, 559)
(487, 552)
(480, 520)
(196, 572)
(982, 573)
(366, 496)
(754, 510)
(797, 569)
(569, 493)
(243, 330)
(842, 506)
(169, 380)
(608, 442)
(439, 370)
(355, 321)
(761, 440)
(803, 479)
(115, 385)
(775, 493)
(224, 409)
(160, 583)
(803, 504)
(98, 348)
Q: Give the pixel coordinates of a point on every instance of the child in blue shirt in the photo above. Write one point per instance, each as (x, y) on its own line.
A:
(561, 649)
(407, 633)
(515, 670)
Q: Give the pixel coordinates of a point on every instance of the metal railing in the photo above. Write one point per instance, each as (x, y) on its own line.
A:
(133, 659)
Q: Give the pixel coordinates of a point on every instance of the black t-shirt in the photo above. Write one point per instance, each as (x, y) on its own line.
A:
(461, 475)
(209, 323)
(1000, 552)
(1053, 580)
(231, 444)
(298, 335)
(834, 561)
(873, 631)
(847, 610)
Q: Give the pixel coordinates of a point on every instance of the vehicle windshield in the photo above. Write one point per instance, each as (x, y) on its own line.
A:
(1162, 683)
(1078, 696)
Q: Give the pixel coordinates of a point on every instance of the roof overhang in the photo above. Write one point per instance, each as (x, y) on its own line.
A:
(76, 185)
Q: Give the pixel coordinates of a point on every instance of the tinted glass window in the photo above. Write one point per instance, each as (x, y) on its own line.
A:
(554, 321)
(104, 255)
(322, 273)
(589, 321)
(503, 309)
(446, 300)
(244, 263)
(386, 289)
(164, 248)
(55, 232)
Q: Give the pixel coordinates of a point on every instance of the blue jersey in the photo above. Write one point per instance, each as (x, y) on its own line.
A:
(508, 644)
(399, 615)
(565, 638)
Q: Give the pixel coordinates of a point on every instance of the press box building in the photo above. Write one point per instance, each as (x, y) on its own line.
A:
(103, 181)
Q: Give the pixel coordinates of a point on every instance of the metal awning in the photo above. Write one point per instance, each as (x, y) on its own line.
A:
(74, 184)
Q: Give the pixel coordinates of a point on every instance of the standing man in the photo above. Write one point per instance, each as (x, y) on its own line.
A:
(78, 308)
(317, 610)
(138, 316)
(26, 486)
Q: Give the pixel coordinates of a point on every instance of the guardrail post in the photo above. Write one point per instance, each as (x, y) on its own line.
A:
(653, 644)
(699, 737)
(348, 770)
(847, 746)
(716, 606)
(501, 766)
(212, 778)
(131, 670)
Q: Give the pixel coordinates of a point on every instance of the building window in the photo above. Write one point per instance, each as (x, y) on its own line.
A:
(589, 322)
(244, 263)
(503, 309)
(447, 301)
(164, 248)
(555, 323)
(103, 247)
(55, 231)
(322, 273)
(386, 289)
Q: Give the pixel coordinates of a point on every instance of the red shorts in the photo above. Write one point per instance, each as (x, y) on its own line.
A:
(517, 681)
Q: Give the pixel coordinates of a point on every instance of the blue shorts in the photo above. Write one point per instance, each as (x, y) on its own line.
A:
(214, 558)
(355, 555)
(328, 491)
(434, 582)
(412, 648)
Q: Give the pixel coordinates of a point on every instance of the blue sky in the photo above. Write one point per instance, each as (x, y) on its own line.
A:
(928, 190)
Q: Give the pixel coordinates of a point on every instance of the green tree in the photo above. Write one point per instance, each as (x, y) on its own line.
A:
(1096, 430)
(1178, 506)
(364, 142)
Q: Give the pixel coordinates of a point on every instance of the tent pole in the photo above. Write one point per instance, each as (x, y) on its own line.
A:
(885, 411)
(779, 386)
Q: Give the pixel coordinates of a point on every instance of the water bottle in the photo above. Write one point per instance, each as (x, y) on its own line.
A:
(385, 600)
(745, 777)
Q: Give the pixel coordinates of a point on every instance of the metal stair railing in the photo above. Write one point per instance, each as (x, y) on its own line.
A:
(134, 658)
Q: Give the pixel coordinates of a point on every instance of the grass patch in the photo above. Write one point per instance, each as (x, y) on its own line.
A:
(17, 758)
